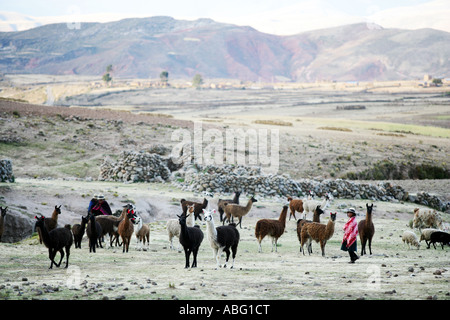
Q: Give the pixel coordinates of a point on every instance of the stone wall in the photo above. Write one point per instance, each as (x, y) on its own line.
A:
(135, 166)
(6, 171)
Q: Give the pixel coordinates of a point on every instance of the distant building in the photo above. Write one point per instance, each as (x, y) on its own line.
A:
(427, 77)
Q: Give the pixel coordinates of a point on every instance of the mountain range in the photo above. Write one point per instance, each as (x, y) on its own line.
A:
(143, 47)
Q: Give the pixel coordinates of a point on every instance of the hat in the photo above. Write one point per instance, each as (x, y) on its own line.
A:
(351, 210)
(100, 197)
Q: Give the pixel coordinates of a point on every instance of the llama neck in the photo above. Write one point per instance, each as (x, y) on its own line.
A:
(324, 204)
(316, 216)
(140, 224)
(45, 235)
(249, 205)
(329, 230)
(55, 215)
(211, 229)
(368, 218)
(282, 217)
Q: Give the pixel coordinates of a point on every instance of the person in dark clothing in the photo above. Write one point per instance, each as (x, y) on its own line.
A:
(101, 207)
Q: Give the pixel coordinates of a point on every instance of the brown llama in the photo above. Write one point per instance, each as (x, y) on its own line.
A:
(233, 210)
(126, 229)
(295, 205)
(272, 228)
(50, 223)
(301, 222)
(366, 230)
(198, 207)
(319, 232)
(221, 203)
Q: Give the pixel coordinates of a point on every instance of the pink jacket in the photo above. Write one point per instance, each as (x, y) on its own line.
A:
(350, 231)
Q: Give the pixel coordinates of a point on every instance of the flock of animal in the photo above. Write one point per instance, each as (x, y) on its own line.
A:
(222, 238)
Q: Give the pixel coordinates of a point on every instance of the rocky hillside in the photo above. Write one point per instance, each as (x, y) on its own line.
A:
(144, 47)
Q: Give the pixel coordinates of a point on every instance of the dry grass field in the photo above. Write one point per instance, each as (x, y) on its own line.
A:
(57, 151)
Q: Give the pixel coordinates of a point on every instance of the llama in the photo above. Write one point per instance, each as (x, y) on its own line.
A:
(55, 240)
(142, 233)
(198, 207)
(319, 232)
(301, 222)
(221, 238)
(271, 228)
(126, 229)
(78, 231)
(366, 230)
(295, 205)
(2, 220)
(110, 225)
(50, 223)
(233, 210)
(94, 233)
(173, 226)
(221, 203)
(426, 218)
(309, 205)
(191, 239)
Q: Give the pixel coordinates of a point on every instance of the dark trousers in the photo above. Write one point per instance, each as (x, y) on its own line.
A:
(353, 255)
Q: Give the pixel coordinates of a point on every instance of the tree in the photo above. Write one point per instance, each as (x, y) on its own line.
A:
(107, 76)
(437, 81)
(197, 81)
(164, 76)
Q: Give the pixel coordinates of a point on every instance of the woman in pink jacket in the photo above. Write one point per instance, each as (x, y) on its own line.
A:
(350, 233)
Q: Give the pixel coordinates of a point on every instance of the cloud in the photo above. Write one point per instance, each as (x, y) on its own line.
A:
(434, 14)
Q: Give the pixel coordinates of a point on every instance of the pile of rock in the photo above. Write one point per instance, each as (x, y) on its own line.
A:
(426, 199)
(133, 166)
(6, 171)
(228, 179)
(383, 191)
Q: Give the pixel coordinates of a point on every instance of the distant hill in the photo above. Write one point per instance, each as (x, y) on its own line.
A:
(143, 47)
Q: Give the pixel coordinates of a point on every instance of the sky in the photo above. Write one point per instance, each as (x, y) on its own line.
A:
(283, 17)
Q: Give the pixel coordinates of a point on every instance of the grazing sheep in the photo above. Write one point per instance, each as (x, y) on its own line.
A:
(126, 229)
(2, 220)
(94, 233)
(410, 239)
(221, 203)
(198, 207)
(309, 205)
(426, 234)
(234, 210)
(295, 205)
(191, 239)
(173, 226)
(319, 232)
(142, 233)
(271, 228)
(56, 240)
(78, 231)
(301, 222)
(425, 218)
(440, 236)
(50, 223)
(366, 230)
(221, 238)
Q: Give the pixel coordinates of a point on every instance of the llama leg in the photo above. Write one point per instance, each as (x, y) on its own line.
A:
(187, 253)
(363, 246)
(322, 247)
(194, 263)
(67, 256)
(227, 251)
(370, 246)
